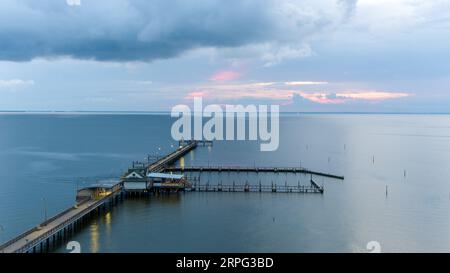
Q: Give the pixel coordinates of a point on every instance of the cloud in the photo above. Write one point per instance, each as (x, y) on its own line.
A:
(226, 75)
(274, 54)
(344, 97)
(349, 7)
(256, 90)
(15, 83)
(73, 2)
(299, 100)
(323, 98)
(142, 30)
(143, 82)
(373, 95)
(284, 93)
(304, 83)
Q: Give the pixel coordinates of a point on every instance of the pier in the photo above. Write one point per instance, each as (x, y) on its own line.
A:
(61, 226)
(252, 169)
(313, 188)
(160, 164)
(145, 178)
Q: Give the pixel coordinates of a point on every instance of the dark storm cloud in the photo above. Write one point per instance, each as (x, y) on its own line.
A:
(130, 30)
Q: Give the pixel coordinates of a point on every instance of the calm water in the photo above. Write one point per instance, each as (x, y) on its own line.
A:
(44, 158)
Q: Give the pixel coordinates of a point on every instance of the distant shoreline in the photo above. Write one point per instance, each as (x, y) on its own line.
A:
(161, 113)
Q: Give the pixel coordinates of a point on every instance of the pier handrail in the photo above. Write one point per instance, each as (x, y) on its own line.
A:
(261, 188)
(259, 169)
(174, 155)
(15, 239)
(63, 212)
(33, 229)
(51, 231)
(96, 204)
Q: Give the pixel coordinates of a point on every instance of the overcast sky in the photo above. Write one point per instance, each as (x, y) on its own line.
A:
(305, 55)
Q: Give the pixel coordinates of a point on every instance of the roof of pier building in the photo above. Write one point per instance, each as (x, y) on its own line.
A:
(135, 175)
(165, 176)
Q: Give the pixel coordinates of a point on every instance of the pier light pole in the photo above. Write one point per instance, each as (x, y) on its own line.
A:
(2, 229)
(45, 208)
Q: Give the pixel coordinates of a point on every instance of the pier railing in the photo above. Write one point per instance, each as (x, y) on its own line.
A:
(60, 226)
(18, 238)
(36, 228)
(170, 158)
(256, 188)
(251, 169)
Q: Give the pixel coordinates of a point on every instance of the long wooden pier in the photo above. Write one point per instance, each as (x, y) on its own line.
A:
(62, 225)
(164, 162)
(57, 227)
(251, 169)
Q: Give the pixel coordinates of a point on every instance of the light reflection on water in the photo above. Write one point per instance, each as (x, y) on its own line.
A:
(94, 246)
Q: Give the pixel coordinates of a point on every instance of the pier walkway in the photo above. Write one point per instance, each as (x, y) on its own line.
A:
(56, 226)
(59, 225)
(251, 169)
(163, 163)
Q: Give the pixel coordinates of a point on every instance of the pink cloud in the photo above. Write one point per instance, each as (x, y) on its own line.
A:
(281, 93)
(226, 75)
(373, 95)
(343, 97)
(194, 94)
(323, 98)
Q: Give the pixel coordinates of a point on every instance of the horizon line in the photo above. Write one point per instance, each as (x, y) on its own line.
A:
(168, 112)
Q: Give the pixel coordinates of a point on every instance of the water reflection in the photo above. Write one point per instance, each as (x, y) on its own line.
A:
(94, 237)
(108, 223)
(182, 162)
(168, 198)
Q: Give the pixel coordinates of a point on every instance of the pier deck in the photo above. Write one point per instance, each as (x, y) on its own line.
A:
(37, 235)
(251, 169)
(162, 163)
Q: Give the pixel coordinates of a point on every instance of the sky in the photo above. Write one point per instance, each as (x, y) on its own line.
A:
(304, 55)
